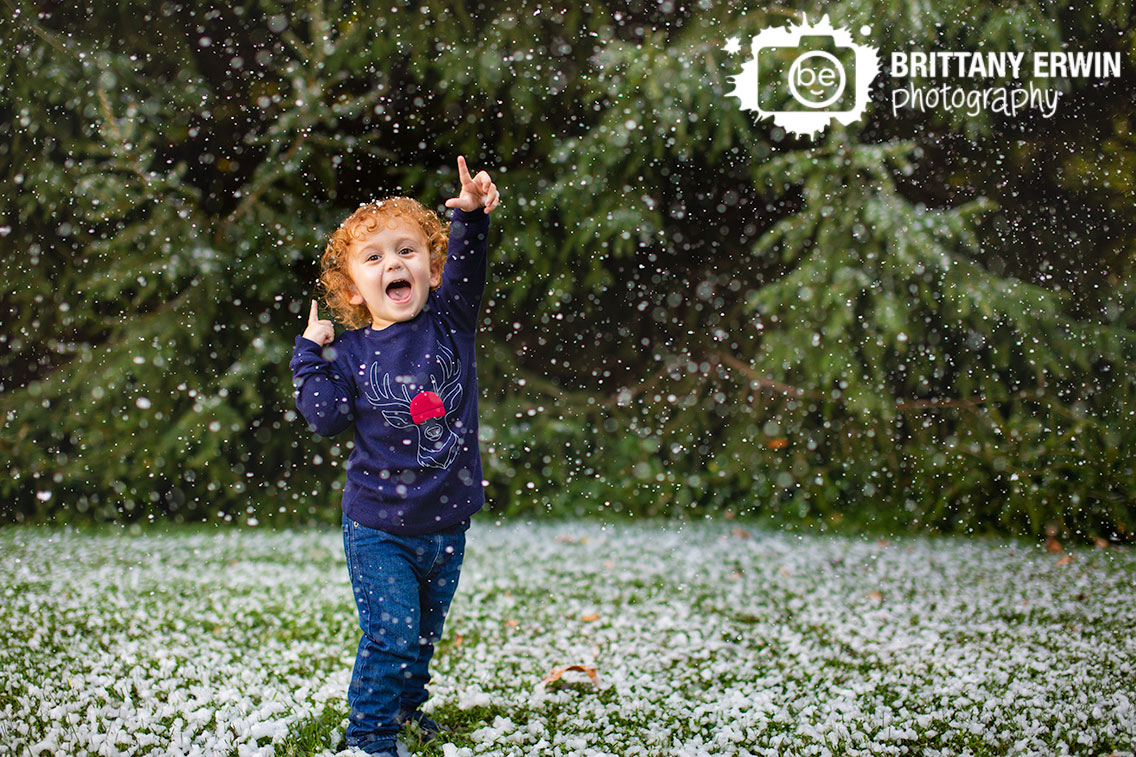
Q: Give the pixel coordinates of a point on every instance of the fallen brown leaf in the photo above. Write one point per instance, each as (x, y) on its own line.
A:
(557, 672)
(590, 618)
(741, 533)
(876, 595)
(1053, 546)
(1065, 560)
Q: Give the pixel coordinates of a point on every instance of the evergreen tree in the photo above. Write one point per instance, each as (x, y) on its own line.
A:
(688, 310)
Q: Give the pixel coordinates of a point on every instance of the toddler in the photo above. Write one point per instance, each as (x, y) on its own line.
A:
(405, 376)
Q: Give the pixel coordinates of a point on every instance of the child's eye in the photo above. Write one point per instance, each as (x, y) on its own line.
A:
(405, 251)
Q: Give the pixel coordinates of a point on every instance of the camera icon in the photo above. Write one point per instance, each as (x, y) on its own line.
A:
(816, 74)
(805, 76)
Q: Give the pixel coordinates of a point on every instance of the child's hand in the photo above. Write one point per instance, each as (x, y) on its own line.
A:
(320, 332)
(476, 193)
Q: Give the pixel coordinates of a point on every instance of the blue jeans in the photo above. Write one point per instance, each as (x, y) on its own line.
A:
(403, 586)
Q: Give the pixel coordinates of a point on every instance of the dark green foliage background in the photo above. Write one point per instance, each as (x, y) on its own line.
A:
(919, 322)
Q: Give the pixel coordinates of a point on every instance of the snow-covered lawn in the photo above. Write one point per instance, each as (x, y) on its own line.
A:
(706, 639)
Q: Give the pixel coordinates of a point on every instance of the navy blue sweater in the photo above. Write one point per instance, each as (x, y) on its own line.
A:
(411, 392)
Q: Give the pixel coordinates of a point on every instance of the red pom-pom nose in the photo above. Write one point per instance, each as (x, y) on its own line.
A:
(426, 405)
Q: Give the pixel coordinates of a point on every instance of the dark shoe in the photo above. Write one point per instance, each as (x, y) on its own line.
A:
(380, 749)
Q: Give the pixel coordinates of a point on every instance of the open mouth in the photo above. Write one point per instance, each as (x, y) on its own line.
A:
(399, 290)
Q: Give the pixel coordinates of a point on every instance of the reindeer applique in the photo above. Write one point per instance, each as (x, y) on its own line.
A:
(428, 411)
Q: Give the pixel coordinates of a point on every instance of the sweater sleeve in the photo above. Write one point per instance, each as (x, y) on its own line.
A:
(463, 279)
(323, 396)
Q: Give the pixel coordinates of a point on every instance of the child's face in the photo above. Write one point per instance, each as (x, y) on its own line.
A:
(390, 269)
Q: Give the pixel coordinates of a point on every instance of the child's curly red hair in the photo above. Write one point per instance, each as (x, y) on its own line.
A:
(366, 219)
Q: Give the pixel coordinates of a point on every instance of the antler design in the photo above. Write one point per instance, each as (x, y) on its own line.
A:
(450, 389)
(395, 409)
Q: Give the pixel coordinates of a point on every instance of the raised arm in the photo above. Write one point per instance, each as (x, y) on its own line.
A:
(463, 281)
(323, 396)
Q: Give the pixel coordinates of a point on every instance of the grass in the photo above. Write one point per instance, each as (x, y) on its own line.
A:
(708, 640)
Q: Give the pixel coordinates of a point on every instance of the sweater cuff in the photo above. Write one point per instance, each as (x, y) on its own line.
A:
(471, 217)
(303, 343)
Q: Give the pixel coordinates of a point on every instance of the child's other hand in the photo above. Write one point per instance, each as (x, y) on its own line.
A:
(476, 192)
(320, 332)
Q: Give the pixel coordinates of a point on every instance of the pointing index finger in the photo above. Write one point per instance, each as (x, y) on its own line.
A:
(314, 315)
(463, 171)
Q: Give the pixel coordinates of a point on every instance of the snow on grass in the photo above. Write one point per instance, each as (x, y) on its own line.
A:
(705, 640)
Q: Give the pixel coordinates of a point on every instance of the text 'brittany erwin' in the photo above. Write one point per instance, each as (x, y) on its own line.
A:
(1046, 64)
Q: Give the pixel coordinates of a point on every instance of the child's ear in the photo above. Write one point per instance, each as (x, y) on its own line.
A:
(435, 277)
(353, 295)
